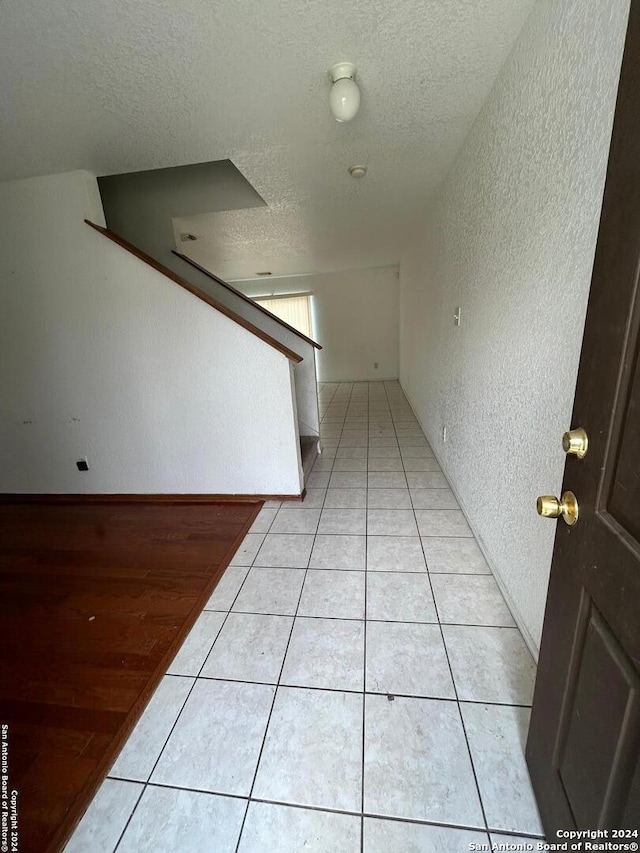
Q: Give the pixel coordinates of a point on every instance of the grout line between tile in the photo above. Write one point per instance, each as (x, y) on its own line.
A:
(307, 807)
(457, 699)
(275, 692)
(376, 571)
(175, 722)
(364, 658)
(324, 810)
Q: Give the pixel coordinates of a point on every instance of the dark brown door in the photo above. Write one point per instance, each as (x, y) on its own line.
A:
(584, 742)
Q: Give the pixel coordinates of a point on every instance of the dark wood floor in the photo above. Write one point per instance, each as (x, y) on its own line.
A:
(96, 600)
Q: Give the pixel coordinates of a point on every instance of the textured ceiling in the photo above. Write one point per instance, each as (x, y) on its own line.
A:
(129, 85)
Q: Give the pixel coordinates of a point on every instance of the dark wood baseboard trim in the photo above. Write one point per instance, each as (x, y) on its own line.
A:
(30, 498)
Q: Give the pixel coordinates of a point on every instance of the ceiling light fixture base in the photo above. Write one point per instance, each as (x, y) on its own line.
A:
(358, 172)
(342, 70)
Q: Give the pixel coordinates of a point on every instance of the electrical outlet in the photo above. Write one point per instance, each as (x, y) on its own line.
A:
(444, 435)
(82, 464)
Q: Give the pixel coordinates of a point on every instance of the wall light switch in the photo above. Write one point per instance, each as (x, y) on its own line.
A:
(456, 316)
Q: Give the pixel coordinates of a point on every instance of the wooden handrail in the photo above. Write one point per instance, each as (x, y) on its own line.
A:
(246, 298)
(195, 291)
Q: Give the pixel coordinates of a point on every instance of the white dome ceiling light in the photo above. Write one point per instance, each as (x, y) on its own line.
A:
(344, 98)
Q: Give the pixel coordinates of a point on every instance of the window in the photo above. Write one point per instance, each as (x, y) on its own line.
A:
(293, 308)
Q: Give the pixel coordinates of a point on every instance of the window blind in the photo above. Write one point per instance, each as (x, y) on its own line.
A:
(294, 310)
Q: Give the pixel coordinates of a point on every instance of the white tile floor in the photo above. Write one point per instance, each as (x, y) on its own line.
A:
(356, 682)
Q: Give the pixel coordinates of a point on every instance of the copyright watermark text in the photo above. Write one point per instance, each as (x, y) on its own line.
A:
(8, 799)
(570, 840)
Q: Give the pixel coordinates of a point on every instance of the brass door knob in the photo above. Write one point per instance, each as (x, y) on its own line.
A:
(549, 506)
(575, 442)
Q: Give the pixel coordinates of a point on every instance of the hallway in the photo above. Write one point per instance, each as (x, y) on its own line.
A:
(356, 681)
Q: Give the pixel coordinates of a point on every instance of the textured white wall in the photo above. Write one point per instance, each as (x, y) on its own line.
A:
(102, 356)
(511, 239)
(356, 316)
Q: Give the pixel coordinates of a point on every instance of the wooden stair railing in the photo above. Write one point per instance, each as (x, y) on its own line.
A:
(245, 298)
(200, 294)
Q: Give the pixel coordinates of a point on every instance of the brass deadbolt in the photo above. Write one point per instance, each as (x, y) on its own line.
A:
(575, 442)
(549, 506)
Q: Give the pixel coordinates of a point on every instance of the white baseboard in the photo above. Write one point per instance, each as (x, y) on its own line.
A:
(531, 645)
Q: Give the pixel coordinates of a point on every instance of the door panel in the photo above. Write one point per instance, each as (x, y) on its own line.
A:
(584, 741)
(602, 709)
